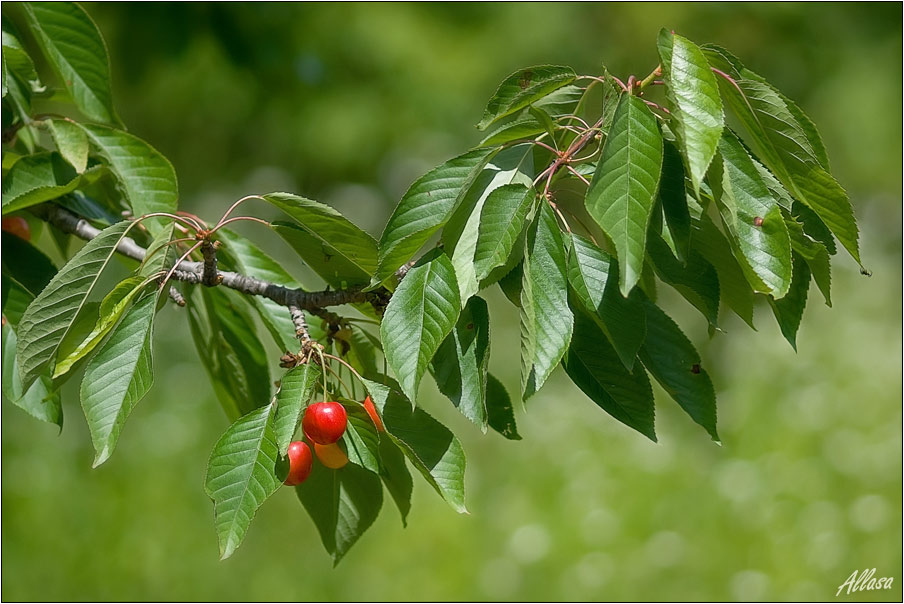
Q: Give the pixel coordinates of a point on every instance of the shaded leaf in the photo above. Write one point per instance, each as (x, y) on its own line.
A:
(734, 290)
(460, 364)
(623, 190)
(26, 264)
(396, 477)
(40, 401)
(362, 443)
(243, 256)
(428, 445)
(37, 178)
(674, 201)
(697, 281)
(672, 359)
(342, 503)
(500, 412)
(593, 276)
(814, 253)
(789, 310)
(594, 367)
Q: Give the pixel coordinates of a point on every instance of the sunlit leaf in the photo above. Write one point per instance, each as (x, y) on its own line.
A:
(241, 475)
(75, 49)
(622, 194)
(524, 87)
(418, 318)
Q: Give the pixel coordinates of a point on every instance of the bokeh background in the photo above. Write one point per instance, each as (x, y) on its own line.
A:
(348, 103)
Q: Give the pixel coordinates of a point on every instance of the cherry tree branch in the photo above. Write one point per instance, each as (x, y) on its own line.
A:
(193, 272)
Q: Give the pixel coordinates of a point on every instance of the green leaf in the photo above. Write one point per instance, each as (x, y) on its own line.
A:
(697, 280)
(785, 147)
(75, 49)
(26, 264)
(243, 256)
(623, 191)
(396, 476)
(546, 319)
(234, 358)
(526, 123)
(71, 141)
(16, 58)
(815, 255)
(672, 359)
(340, 252)
(37, 178)
(112, 308)
(790, 309)
(419, 316)
(510, 167)
(500, 412)
(429, 445)
(295, 389)
(524, 87)
(594, 367)
(40, 401)
(745, 199)
(510, 284)
(342, 503)
(501, 222)
(148, 178)
(695, 104)
(621, 319)
(241, 475)
(362, 443)
(460, 364)
(673, 197)
(734, 290)
(50, 316)
(119, 376)
(425, 208)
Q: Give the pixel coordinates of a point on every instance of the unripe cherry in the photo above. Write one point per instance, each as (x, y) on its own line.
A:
(374, 416)
(300, 463)
(324, 423)
(18, 226)
(332, 456)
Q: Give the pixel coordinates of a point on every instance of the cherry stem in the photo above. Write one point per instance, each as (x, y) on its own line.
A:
(352, 369)
(234, 206)
(223, 223)
(578, 174)
(179, 261)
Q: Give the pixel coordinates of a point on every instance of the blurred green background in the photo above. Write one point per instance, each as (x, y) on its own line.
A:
(348, 103)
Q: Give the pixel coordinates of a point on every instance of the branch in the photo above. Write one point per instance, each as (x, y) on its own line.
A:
(193, 272)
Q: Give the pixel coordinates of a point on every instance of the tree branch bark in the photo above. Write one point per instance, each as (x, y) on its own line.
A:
(193, 272)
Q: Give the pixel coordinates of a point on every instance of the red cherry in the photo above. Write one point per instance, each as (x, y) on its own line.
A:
(324, 423)
(17, 226)
(374, 416)
(332, 456)
(300, 462)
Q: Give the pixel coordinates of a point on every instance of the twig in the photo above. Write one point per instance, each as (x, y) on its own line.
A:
(191, 272)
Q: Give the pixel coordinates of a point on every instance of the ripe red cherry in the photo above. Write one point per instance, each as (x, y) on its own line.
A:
(17, 226)
(374, 416)
(332, 456)
(300, 462)
(324, 423)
